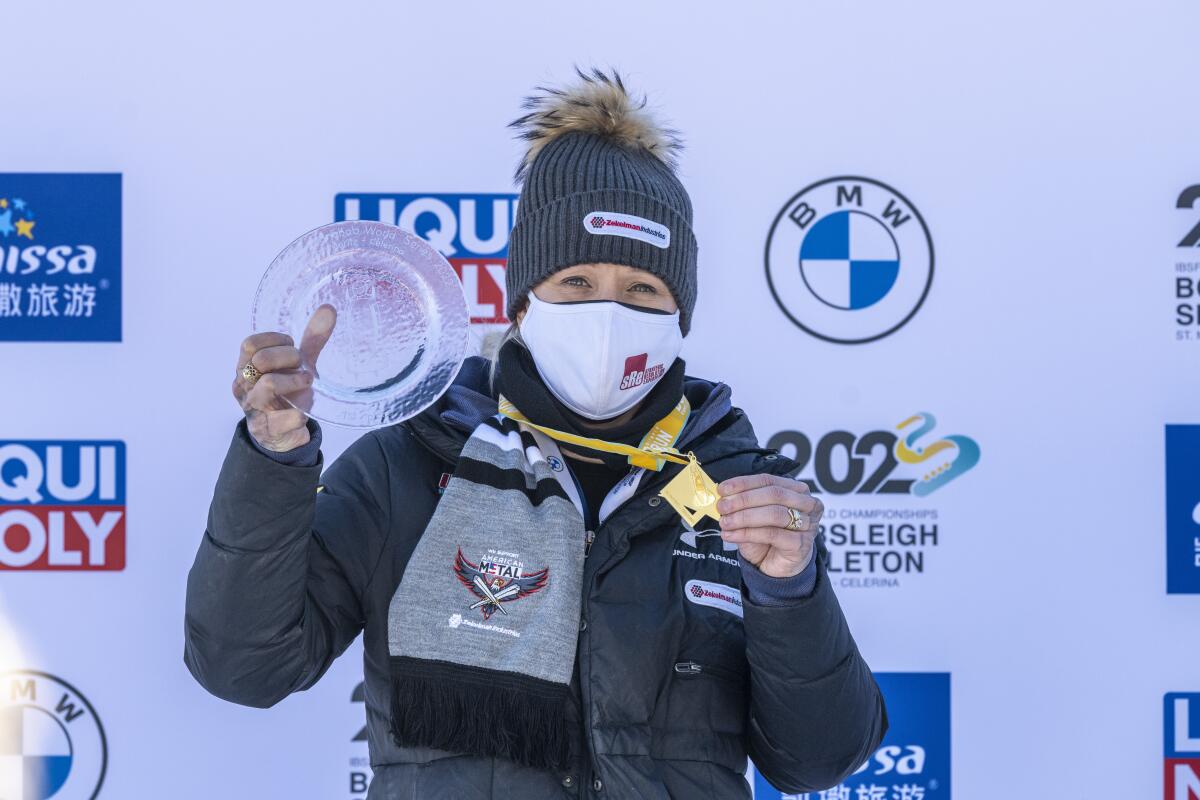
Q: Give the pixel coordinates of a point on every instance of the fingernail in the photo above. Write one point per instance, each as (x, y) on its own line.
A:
(722, 506)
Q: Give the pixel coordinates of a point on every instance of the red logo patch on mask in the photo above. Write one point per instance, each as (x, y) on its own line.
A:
(636, 372)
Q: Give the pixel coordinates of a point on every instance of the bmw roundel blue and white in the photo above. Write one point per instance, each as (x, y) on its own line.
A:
(849, 260)
(35, 753)
(52, 745)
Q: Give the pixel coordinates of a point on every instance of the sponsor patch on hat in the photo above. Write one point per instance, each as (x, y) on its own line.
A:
(610, 223)
(716, 595)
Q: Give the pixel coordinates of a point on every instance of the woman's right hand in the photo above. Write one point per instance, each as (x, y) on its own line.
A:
(274, 422)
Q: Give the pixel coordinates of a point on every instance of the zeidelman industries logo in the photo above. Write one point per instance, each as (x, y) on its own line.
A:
(60, 257)
(849, 260)
(470, 230)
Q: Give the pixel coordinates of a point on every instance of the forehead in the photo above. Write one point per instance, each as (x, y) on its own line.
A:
(617, 270)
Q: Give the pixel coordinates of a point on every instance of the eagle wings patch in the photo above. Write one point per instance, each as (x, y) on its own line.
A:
(497, 579)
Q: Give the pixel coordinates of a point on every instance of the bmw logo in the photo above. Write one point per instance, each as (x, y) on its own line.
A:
(849, 260)
(52, 744)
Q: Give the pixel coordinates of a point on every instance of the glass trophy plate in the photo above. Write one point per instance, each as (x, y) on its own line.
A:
(402, 325)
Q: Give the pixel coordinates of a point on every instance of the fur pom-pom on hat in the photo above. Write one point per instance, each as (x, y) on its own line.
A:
(598, 104)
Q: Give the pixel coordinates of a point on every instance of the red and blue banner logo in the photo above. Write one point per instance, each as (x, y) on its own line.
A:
(60, 257)
(470, 230)
(1181, 746)
(62, 505)
(913, 761)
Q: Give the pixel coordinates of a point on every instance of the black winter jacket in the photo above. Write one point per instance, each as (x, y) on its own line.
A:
(670, 696)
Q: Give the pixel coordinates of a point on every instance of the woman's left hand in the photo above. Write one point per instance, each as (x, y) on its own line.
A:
(754, 514)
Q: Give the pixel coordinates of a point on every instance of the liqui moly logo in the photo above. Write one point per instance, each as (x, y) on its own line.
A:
(1181, 746)
(62, 505)
(470, 230)
(636, 372)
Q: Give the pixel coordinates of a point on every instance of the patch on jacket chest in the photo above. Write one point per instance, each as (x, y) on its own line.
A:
(714, 595)
(691, 537)
(701, 545)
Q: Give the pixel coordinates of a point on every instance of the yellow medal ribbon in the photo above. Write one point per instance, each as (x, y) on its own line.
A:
(655, 448)
(692, 493)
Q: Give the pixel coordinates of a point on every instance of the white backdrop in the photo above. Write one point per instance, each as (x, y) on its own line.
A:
(1044, 145)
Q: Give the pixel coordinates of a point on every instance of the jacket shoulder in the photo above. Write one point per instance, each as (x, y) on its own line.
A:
(401, 446)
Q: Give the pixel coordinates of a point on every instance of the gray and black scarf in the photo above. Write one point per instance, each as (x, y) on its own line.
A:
(483, 627)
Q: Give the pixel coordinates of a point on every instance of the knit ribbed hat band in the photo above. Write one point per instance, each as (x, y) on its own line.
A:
(565, 233)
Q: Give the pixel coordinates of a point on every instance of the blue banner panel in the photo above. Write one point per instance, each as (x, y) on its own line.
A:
(60, 257)
(1183, 509)
(913, 761)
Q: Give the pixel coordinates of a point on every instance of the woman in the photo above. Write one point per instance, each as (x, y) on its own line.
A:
(537, 621)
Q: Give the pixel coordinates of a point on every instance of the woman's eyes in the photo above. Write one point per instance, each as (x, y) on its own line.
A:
(581, 282)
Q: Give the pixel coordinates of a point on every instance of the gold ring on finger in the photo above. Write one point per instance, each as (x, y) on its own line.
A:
(796, 523)
(250, 373)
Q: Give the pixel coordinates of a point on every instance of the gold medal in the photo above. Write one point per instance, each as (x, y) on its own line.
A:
(692, 493)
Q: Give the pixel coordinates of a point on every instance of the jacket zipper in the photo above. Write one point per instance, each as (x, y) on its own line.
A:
(689, 669)
(585, 682)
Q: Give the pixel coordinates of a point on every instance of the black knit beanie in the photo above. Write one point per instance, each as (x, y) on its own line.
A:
(599, 185)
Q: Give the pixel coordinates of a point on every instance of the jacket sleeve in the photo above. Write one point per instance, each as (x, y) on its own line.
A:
(816, 713)
(275, 592)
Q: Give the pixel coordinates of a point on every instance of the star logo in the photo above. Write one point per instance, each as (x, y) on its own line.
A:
(22, 225)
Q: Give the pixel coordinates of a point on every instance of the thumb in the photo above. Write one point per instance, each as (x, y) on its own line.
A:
(316, 334)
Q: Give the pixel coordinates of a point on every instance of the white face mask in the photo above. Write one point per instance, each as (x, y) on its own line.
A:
(599, 358)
